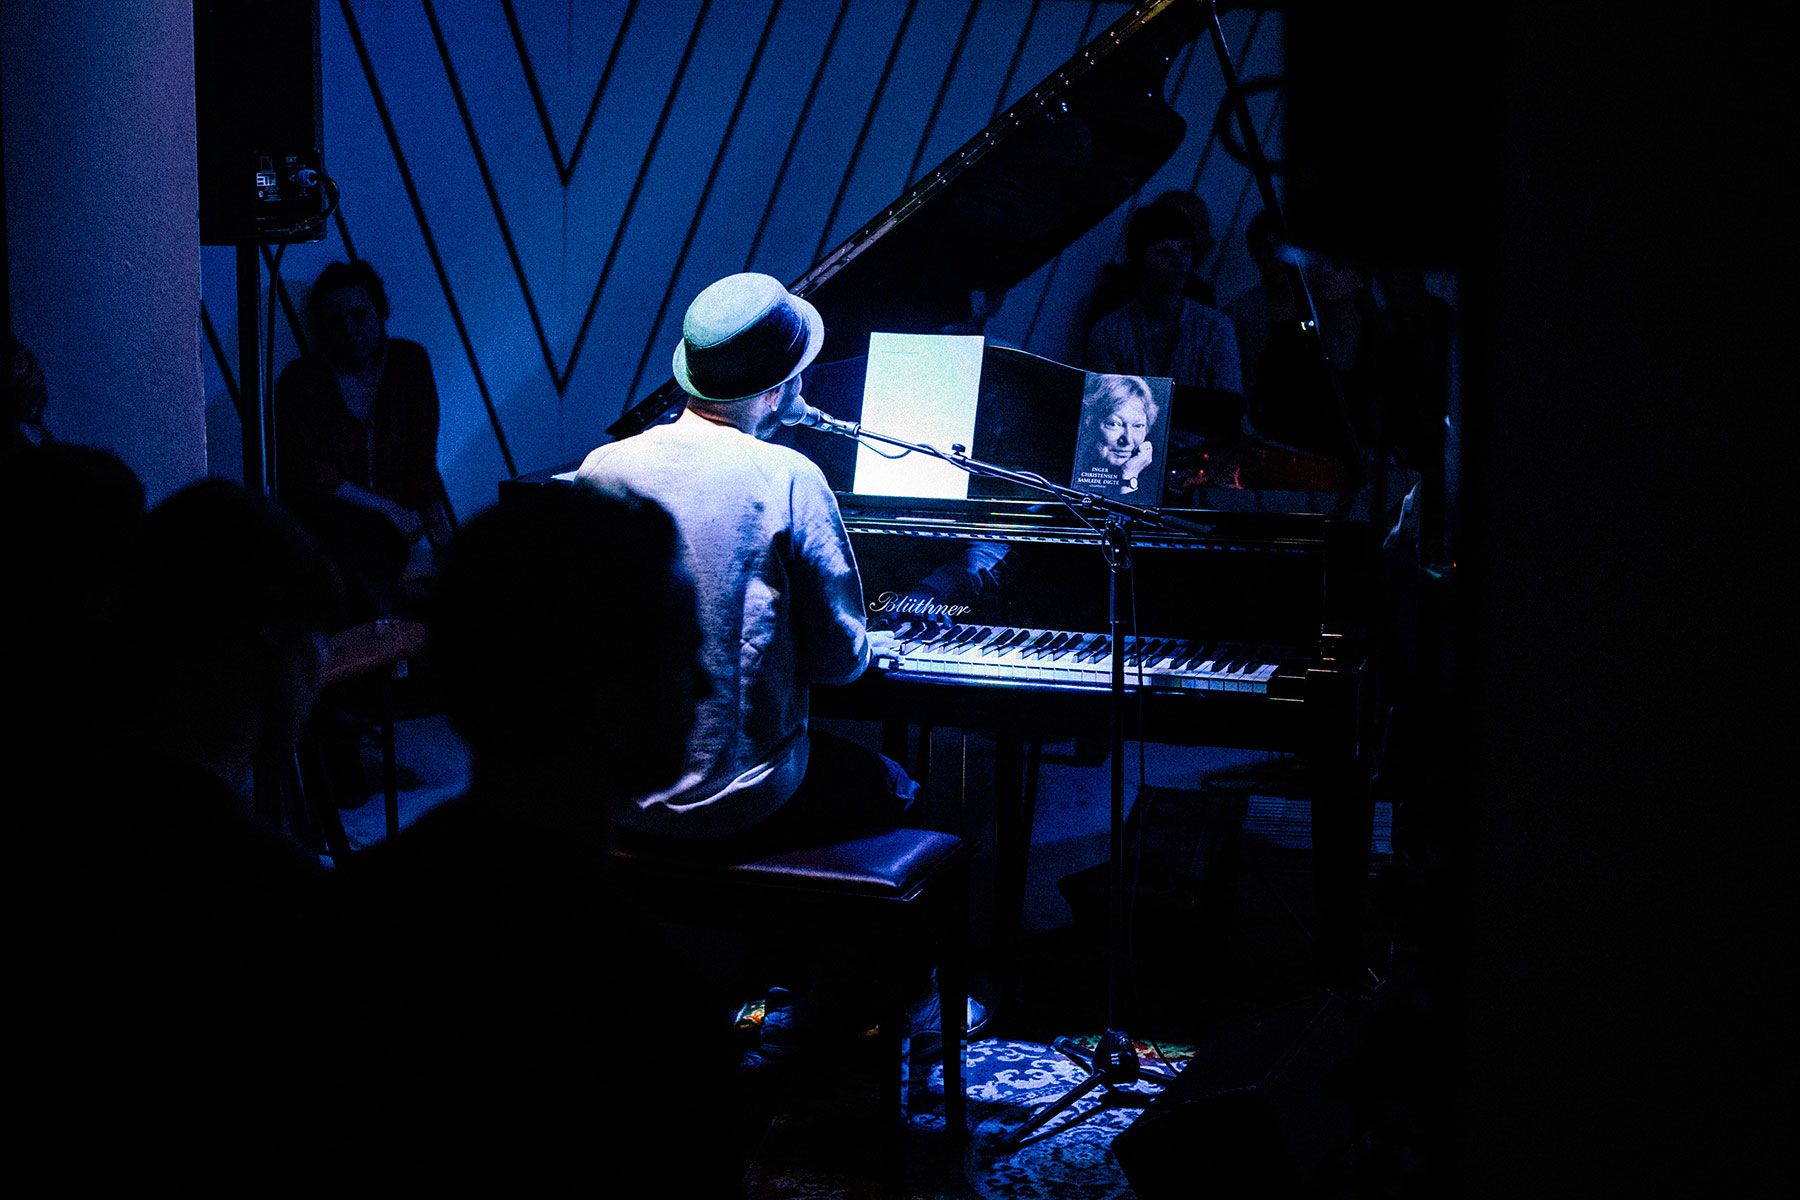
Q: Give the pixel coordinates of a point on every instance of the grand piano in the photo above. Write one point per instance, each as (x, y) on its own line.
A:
(1251, 624)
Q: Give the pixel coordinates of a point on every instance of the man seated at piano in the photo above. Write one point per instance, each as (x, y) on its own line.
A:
(781, 601)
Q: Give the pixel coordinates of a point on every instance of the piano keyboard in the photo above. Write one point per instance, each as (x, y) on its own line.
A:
(1048, 656)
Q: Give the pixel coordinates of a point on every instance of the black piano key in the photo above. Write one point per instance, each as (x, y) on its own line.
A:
(1002, 639)
(1010, 638)
(1020, 641)
(982, 634)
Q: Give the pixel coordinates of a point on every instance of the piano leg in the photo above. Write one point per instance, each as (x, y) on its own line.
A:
(1034, 757)
(1012, 848)
(1343, 819)
(1016, 761)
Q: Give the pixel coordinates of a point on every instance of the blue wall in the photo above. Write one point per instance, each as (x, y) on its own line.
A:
(498, 221)
(103, 258)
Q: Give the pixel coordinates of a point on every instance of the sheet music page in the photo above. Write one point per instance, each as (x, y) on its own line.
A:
(919, 387)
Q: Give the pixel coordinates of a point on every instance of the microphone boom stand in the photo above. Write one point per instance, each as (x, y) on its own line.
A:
(1114, 1061)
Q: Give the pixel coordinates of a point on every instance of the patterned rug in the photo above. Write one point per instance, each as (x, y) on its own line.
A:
(815, 1155)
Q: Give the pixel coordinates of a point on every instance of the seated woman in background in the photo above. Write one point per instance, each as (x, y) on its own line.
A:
(356, 440)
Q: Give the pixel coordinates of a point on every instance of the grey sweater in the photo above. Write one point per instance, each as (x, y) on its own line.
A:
(781, 606)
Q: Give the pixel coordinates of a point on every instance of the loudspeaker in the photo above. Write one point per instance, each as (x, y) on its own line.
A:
(260, 121)
(1251, 1114)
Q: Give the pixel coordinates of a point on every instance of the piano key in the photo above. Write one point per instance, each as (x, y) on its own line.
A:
(1006, 639)
(1026, 655)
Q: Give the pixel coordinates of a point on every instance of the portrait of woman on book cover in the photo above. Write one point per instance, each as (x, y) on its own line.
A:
(1121, 434)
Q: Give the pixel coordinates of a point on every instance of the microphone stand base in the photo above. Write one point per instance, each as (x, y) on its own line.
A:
(1109, 1065)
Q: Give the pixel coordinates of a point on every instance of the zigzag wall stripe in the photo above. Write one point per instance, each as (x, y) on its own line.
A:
(344, 234)
(493, 191)
(1012, 65)
(637, 190)
(937, 103)
(278, 291)
(565, 171)
(862, 134)
(712, 178)
(278, 287)
(787, 158)
(218, 353)
(431, 246)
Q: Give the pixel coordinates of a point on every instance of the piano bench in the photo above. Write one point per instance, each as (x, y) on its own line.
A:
(905, 890)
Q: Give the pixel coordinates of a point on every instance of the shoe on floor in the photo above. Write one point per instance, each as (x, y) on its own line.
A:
(922, 1023)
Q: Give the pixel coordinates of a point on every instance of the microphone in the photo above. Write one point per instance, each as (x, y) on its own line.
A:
(824, 422)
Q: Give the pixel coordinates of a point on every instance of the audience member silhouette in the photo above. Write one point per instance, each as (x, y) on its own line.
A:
(69, 515)
(1161, 332)
(1249, 309)
(1402, 383)
(549, 1033)
(162, 994)
(356, 444)
(1295, 377)
(26, 396)
(1119, 281)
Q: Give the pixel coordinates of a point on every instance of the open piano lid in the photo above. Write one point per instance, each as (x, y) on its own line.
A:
(1012, 198)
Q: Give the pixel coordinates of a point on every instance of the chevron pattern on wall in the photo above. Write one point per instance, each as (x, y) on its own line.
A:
(543, 184)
